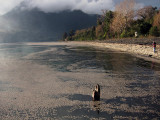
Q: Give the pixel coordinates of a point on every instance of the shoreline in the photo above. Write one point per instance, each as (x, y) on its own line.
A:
(143, 51)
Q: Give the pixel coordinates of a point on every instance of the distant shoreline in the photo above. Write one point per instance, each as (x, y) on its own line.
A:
(141, 50)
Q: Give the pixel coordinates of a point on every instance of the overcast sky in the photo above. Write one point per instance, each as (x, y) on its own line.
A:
(87, 6)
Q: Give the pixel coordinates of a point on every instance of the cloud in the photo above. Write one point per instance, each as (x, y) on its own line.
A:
(7, 5)
(87, 6)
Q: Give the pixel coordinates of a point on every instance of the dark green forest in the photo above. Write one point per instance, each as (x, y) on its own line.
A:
(124, 22)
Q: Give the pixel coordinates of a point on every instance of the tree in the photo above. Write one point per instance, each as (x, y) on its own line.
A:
(85, 34)
(156, 21)
(65, 35)
(103, 24)
(124, 16)
(126, 9)
(154, 31)
(99, 32)
(145, 27)
(118, 24)
(99, 21)
(146, 12)
(71, 33)
(107, 16)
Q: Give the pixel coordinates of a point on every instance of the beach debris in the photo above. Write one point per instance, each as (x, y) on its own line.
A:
(150, 55)
(96, 93)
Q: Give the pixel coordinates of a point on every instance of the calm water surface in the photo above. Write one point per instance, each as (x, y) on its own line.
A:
(56, 82)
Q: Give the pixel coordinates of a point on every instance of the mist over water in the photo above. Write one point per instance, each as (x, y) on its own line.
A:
(56, 82)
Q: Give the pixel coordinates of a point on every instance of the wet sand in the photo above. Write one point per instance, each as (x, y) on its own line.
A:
(33, 91)
(144, 51)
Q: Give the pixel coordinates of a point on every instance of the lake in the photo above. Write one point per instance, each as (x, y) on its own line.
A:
(56, 82)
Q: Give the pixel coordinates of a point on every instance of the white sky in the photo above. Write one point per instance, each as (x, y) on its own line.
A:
(88, 6)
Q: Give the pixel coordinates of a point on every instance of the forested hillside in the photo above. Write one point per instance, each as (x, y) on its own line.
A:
(126, 21)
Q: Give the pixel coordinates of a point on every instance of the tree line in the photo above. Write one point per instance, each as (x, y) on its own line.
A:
(125, 21)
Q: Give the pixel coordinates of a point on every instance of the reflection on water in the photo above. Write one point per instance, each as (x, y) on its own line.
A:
(18, 51)
(58, 80)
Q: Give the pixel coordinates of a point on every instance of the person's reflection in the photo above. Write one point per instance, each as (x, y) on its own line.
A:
(96, 106)
(152, 65)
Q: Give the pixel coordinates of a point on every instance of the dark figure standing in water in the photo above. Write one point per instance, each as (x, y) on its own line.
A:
(96, 93)
(154, 46)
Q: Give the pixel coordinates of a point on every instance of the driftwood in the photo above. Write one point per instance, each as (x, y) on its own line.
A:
(96, 93)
